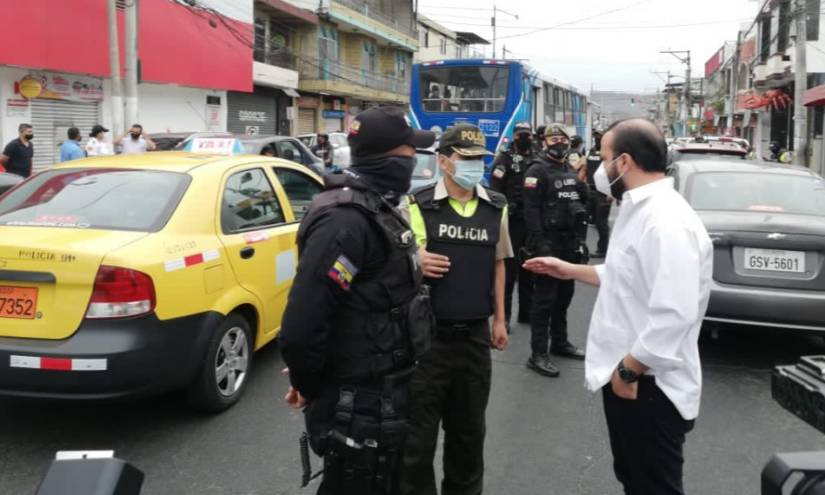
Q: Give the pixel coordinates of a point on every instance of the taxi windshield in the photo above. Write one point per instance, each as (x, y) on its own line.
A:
(108, 199)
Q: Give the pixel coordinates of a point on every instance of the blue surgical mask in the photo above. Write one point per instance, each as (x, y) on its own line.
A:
(468, 173)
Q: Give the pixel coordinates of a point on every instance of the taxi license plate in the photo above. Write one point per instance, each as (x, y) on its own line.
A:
(772, 260)
(18, 302)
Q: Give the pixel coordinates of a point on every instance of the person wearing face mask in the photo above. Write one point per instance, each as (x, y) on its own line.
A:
(509, 168)
(599, 204)
(356, 319)
(654, 287)
(461, 229)
(556, 220)
(18, 153)
(135, 141)
(538, 141)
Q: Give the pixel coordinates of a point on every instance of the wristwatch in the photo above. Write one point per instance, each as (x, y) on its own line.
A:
(626, 374)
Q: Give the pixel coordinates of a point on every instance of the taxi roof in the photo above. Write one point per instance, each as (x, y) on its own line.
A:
(172, 161)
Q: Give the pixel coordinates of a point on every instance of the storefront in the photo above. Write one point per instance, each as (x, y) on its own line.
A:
(262, 112)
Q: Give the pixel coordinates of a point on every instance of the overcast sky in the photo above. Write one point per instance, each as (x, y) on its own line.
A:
(610, 45)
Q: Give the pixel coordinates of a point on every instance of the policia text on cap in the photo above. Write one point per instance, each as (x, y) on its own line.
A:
(462, 233)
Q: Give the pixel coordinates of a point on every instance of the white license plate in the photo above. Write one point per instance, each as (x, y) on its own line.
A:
(772, 260)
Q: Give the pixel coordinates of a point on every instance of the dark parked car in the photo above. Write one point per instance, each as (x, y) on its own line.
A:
(288, 148)
(7, 181)
(767, 223)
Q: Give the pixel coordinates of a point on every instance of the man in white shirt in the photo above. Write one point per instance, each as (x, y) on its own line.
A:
(95, 146)
(642, 348)
(136, 142)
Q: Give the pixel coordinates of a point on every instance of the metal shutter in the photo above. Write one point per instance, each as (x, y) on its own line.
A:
(51, 119)
(257, 109)
(306, 121)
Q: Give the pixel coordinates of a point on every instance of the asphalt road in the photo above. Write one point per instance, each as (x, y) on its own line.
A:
(546, 436)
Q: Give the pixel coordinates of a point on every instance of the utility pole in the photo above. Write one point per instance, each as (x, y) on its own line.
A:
(684, 57)
(734, 82)
(493, 20)
(114, 66)
(131, 74)
(800, 111)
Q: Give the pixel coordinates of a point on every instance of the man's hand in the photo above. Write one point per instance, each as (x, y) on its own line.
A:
(295, 399)
(553, 267)
(500, 337)
(629, 391)
(433, 265)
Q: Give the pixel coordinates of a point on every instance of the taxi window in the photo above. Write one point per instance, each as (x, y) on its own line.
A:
(108, 199)
(249, 202)
(289, 151)
(300, 189)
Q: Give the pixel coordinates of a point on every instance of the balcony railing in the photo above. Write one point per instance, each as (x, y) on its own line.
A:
(326, 70)
(272, 53)
(364, 7)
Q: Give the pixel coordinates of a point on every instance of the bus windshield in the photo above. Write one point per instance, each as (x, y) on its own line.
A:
(478, 89)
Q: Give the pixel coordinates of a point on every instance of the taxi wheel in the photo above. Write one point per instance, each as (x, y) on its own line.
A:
(224, 371)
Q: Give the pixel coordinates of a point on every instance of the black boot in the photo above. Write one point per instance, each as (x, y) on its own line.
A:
(566, 349)
(540, 363)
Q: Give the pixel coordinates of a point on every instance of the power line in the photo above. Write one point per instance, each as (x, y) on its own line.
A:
(607, 28)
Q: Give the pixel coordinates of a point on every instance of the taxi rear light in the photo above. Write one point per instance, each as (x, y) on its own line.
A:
(120, 293)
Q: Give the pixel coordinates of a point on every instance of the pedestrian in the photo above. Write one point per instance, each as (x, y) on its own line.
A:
(598, 204)
(18, 153)
(461, 230)
(95, 146)
(356, 321)
(268, 150)
(509, 168)
(556, 219)
(642, 348)
(323, 150)
(70, 149)
(137, 141)
(576, 152)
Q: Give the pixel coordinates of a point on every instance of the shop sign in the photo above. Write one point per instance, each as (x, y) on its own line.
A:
(253, 130)
(308, 102)
(251, 116)
(213, 116)
(60, 87)
(334, 114)
(17, 107)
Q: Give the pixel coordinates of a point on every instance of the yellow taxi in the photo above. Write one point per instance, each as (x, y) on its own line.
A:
(134, 274)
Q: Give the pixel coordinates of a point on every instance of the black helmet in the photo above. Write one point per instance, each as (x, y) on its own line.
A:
(575, 141)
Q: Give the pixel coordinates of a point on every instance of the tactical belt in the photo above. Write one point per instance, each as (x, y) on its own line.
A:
(454, 330)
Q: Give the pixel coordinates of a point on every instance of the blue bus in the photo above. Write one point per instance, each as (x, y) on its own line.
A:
(495, 95)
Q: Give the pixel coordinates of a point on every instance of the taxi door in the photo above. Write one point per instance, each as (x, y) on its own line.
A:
(254, 225)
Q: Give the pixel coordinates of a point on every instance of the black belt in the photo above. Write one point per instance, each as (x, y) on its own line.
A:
(455, 329)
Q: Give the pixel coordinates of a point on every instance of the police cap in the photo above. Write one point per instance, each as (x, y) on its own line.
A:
(556, 130)
(522, 127)
(379, 130)
(464, 139)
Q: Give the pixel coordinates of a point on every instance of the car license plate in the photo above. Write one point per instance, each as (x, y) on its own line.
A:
(771, 260)
(18, 302)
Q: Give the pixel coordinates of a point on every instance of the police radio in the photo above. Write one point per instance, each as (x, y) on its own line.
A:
(800, 389)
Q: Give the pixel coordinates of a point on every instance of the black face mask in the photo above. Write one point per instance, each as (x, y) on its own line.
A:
(523, 142)
(390, 176)
(558, 151)
(30, 136)
(597, 143)
(134, 136)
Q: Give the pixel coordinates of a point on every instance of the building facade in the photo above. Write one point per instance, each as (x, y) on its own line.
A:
(436, 42)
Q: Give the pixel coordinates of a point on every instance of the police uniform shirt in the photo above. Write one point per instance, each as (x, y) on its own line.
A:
(504, 249)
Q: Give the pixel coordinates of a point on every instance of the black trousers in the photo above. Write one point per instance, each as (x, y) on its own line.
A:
(600, 210)
(646, 436)
(515, 273)
(551, 298)
(451, 386)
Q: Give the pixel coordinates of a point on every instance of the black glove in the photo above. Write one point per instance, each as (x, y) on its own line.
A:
(582, 254)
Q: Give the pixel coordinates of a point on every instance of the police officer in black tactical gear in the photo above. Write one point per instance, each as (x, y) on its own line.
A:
(509, 168)
(556, 218)
(357, 318)
(598, 204)
(461, 228)
(538, 139)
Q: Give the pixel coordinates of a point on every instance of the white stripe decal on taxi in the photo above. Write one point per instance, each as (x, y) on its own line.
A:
(192, 260)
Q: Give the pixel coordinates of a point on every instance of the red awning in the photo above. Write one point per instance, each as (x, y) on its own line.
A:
(814, 97)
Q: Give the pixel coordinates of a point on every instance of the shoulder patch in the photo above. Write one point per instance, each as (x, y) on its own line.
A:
(342, 272)
(531, 182)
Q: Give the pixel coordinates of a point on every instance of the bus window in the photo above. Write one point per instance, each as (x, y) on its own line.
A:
(464, 89)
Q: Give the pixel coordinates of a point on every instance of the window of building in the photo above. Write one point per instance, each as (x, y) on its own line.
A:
(443, 46)
(328, 52)
(812, 15)
(784, 28)
(765, 38)
(259, 53)
(426, 38)
(401, 64)
(369, 56)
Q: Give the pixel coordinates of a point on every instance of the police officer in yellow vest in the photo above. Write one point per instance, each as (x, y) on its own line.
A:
(462, 232)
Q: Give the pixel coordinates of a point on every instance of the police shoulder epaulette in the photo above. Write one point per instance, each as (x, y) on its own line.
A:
(496, 199)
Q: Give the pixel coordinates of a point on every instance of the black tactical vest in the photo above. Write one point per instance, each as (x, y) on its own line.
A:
(594, 160)
(514, 183)
(372, 336)
(466, 291)
(562, 200)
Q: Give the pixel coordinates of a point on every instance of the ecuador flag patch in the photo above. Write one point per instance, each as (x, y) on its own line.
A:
(342, 272)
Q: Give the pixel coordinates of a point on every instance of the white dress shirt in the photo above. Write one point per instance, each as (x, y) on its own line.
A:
(130, 146)
(655, 285)
(98, 148)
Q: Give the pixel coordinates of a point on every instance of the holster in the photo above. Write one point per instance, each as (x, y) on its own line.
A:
(421, 323)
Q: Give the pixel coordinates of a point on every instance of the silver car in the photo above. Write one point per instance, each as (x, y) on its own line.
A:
(767, 223)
